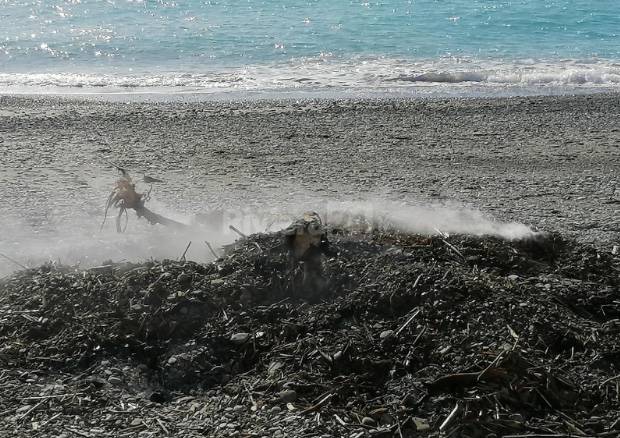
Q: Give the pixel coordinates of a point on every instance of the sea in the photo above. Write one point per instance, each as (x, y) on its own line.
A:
(219, 47)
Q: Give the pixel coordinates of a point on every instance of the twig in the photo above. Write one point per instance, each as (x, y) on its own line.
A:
(543, 397)
(540, 435)
(51, 419)
(441, 233)
(572, 423)
(609, 380)
(340, 420)
(402, 327)
(250, 394)
(130, 430)
(14, 261)
(122, 170)
(107, 207)
(8, 411)
(417, 338)
(450, 417)
(32, 409)
(415, 283)
(45, 397)
(161, 424)
(455, 430)
(319, 404)
(516, 337)
(443, 237)
(237, 231)
(182, 258)
(453, 248)
(78, 432)
(491, 365)
(212, 250)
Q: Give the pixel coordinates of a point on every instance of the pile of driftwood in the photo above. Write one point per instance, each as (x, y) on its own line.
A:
(393, 335)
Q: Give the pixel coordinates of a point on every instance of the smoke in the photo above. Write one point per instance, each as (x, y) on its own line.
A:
(425, 219)
(78, 241)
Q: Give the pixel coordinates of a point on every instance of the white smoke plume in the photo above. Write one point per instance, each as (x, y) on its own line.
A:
(79, 241)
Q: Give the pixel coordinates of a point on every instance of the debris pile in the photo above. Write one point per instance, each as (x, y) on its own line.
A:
(406, 336)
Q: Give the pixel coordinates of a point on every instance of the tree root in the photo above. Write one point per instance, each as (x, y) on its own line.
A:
(124, 196)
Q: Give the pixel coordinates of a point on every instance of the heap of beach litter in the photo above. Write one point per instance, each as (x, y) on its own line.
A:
(406, 336)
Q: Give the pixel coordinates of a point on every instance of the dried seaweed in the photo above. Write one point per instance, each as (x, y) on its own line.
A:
(406, 337)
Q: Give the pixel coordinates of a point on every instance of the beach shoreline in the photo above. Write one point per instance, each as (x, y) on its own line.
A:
(408, 91)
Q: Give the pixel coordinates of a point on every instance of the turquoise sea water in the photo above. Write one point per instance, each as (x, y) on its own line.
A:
(214, 46)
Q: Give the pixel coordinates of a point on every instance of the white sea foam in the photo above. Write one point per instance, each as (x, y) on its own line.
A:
(329, 73)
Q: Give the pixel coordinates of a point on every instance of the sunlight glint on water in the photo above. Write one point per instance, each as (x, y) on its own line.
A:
(257, 45)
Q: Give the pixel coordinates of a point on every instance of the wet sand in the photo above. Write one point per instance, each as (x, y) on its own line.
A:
(550, 162)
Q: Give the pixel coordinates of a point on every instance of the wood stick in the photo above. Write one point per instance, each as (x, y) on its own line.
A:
(44, 397)
(237, 231)
(154, 218)
(50, 419)
(609, 380)
(31, 409)
(491, 365)
(443, 237)
(319, 404)
(407, 322)
(78, 432)
(417, 338)
(340, 420)
(441, 233)
(161, 424)
(212, 250)
(14, 261)
(450, 417)
(540, 435)
(415, 283)
(543, 397)
(185, 252)
(453, 248)
(8, 411)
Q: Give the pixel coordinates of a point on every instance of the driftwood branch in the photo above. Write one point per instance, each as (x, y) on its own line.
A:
(154, 218)
(14, 261)
(124, 196)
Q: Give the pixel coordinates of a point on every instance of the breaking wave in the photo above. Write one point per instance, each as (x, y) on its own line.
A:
(326, 72)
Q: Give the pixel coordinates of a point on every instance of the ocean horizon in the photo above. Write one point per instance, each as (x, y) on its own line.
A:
(402, 47)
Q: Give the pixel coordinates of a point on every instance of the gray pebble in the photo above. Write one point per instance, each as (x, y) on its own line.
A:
(240, 338)
(115, 380)
(368, 421)
(386, 334)
(288, 396)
